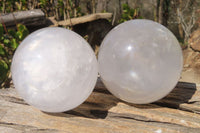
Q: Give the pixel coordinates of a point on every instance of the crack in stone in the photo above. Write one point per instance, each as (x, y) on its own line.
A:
(24, 127)
(153, 121)
(13, 99)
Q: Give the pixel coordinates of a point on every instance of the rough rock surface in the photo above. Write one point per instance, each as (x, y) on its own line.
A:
(104, 113)
(194, 41)
(191, 67)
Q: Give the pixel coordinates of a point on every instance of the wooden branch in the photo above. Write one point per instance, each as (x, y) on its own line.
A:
(31, 17)
(192, 20)
(85, 19)
(102, 112)
(183, 22)
(187, 26)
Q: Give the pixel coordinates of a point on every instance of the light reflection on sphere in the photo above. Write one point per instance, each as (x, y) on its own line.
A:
(54, 69)
(140, 61)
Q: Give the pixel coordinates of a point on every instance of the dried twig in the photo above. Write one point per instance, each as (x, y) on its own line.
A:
(68, 14)
(64, 10)
(4, 26)
(114, 15)
(15, 21)
(4, 6)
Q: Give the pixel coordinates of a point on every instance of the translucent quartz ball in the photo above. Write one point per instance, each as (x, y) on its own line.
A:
(54, 69)
(140, 61)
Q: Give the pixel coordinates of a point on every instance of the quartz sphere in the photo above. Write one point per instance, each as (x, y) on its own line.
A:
(54, 69)
(140, 61)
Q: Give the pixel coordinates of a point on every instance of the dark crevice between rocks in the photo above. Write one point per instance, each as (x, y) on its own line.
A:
(99, 114)
(181, 94)
(102, 90)
(76, 113)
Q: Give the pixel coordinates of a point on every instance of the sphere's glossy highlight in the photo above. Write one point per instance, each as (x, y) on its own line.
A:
(140, 61)
(54, 69)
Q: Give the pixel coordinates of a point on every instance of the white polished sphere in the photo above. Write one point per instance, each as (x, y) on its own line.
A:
(140, 61)
(54, 69)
